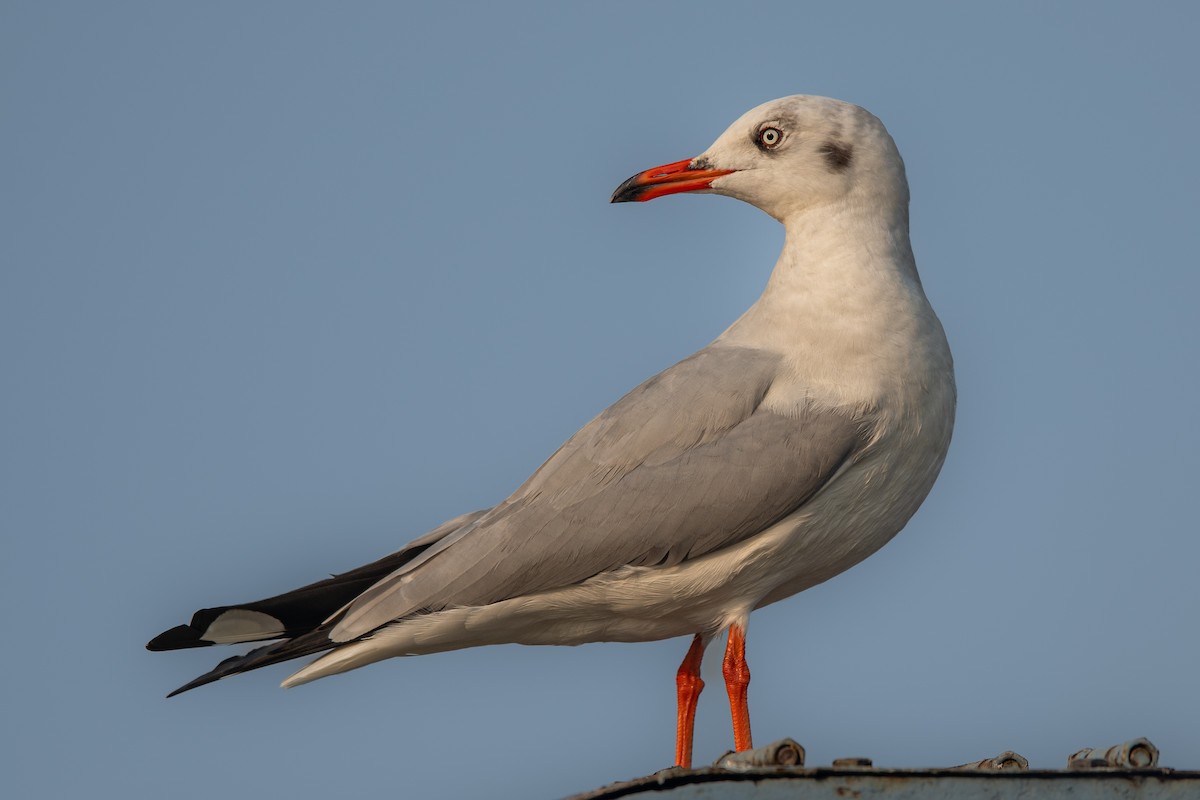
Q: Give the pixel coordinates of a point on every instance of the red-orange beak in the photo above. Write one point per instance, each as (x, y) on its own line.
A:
(667, 179)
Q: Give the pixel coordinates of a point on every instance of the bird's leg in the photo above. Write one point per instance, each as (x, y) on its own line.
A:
(737, 678)
(688, 687)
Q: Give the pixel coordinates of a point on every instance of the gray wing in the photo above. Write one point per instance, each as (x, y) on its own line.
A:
(685, 464)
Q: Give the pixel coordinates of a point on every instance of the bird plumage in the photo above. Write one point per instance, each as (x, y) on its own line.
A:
(796, 444)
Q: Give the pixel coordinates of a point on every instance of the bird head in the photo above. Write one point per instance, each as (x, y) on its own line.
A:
(785, 157)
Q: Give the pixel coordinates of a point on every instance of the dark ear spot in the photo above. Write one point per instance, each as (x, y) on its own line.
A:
(837, 155)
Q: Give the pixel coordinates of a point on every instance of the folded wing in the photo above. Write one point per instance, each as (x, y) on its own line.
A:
(685, 464)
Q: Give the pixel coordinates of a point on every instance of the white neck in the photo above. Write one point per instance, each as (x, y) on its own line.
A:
(844, 305)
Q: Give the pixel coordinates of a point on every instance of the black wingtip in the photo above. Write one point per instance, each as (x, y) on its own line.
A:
(180, 637)
(212, 676)
(184, 688)
(230, 666)
(313, 642)
(197, 683)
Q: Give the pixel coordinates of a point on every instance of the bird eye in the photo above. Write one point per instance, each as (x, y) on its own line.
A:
(769, 138)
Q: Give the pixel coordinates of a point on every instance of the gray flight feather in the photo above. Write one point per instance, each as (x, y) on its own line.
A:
(683, 465)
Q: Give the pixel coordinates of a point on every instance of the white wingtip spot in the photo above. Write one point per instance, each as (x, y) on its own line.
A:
(240, 625)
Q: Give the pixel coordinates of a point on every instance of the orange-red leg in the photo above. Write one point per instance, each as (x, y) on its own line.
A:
(737, 679)
(688, 687)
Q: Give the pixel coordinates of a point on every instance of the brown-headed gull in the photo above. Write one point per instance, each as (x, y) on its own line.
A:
(791, 448)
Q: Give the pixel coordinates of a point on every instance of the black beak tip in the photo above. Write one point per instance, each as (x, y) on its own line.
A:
(627, 192)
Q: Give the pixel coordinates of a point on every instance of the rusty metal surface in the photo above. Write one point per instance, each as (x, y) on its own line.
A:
(1127, 771)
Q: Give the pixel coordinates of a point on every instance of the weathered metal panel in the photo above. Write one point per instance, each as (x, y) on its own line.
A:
(1127, 771)
(822, 784)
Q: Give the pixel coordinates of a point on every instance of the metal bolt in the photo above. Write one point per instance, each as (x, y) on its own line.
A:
(1136, 754)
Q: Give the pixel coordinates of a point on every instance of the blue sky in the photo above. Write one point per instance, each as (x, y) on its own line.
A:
(284, 285)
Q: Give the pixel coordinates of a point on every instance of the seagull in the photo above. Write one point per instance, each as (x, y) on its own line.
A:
(796, 444)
